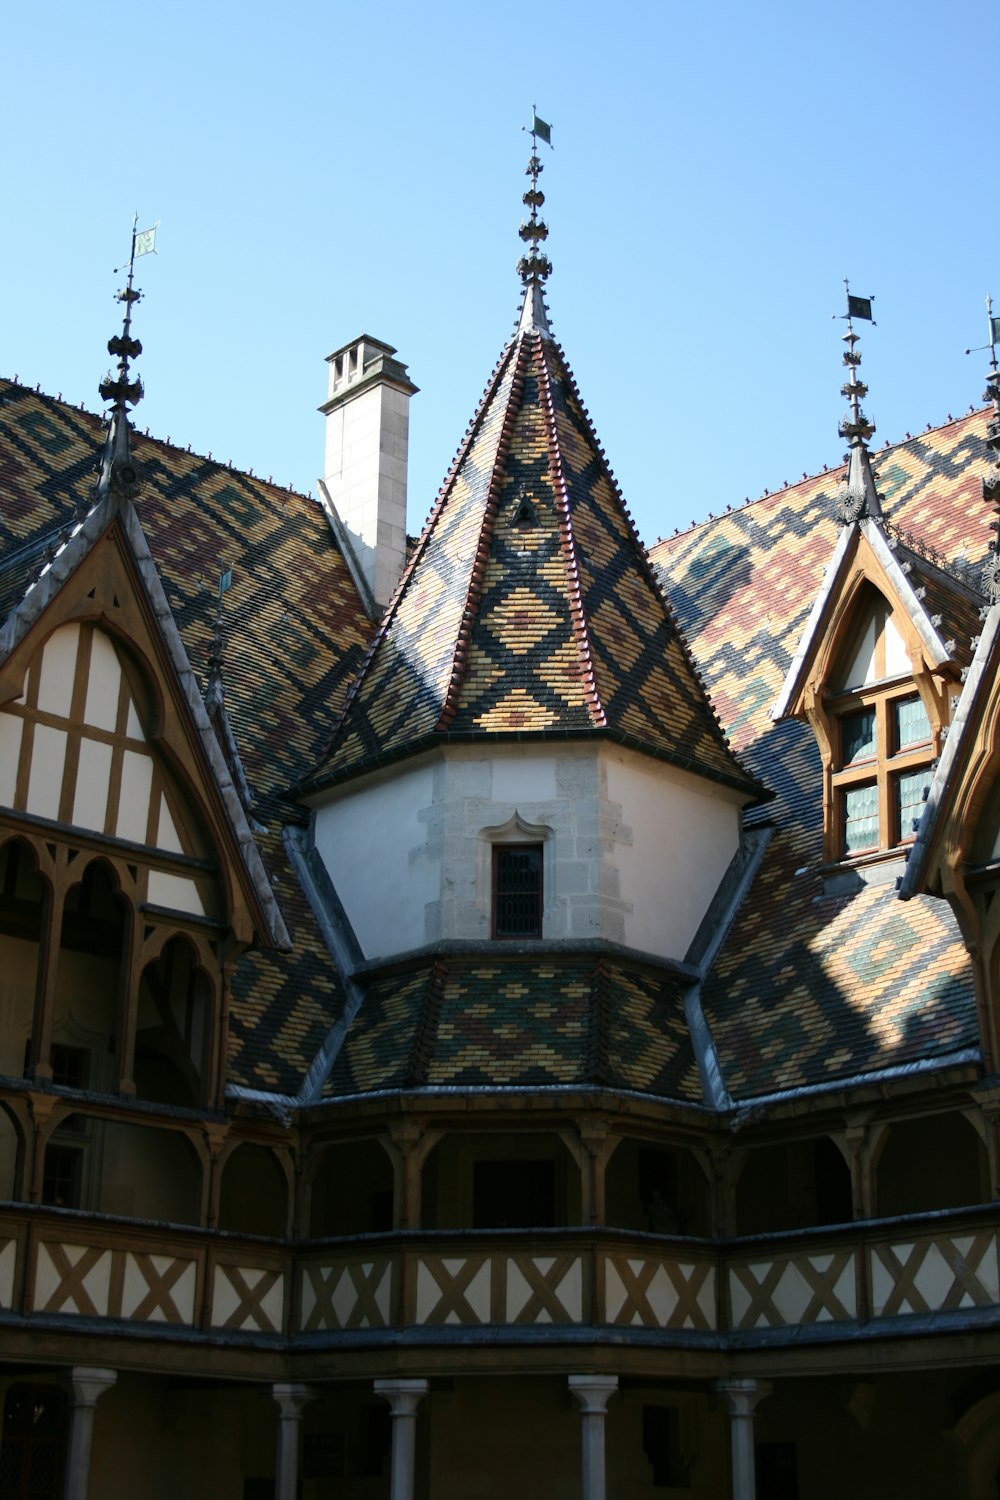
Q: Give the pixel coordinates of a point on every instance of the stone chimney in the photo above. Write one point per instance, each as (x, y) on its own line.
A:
(367, 436)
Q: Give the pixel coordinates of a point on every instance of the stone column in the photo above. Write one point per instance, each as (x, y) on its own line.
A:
(403, 1396)
(741, 1397)
(87, 1385)
(592, 1392)
(291, 1399)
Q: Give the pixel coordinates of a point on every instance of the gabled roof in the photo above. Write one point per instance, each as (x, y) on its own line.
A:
(811, 990)
(942, 607)
(296, 633)
(529, 605)
(112, 515)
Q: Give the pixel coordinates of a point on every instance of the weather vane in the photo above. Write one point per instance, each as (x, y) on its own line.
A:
(535, 266)
(993, 332)
(225, 584)
(859, 496)
(118, 471)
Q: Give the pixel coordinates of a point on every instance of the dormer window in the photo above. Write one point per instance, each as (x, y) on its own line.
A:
(881, 738)
(873, 676)
(882, 771)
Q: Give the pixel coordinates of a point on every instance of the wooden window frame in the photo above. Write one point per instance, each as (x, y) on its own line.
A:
(882, 769)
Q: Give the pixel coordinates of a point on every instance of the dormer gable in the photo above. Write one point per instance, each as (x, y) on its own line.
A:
(874, 674)
(129, 880)
(103, 720)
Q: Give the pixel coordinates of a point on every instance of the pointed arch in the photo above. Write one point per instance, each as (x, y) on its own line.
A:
(175, 1008)
(92, 980)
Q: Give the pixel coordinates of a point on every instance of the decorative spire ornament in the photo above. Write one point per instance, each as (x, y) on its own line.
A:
(214, 693)
(534, 268)
(119, 473)
(991, 479)
(858, 498)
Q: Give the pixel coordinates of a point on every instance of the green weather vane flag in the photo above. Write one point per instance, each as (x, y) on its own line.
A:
(539, 129)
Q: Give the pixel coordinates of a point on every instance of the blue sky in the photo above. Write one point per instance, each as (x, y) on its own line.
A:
(718, 170)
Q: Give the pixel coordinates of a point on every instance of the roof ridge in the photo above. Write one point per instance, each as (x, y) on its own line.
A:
(425, 1033)
(966, 575)
(557, 473)
(829, 472)
(599, 1023)
(474, 593)
(143, 435)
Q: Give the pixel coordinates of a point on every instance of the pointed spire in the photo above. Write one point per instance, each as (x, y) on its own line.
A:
(859, 498)
(534, 268)
(120, 475)
(991, 480)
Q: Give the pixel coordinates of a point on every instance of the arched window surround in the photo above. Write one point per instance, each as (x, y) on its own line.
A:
(879, 736)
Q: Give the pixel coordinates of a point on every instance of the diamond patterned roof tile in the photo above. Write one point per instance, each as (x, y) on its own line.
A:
(529, 604)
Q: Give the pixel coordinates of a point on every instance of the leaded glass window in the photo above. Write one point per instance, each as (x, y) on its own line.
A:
(517, 891)
(861, 818)
(858, 736)
(912, 724)
(911, 788)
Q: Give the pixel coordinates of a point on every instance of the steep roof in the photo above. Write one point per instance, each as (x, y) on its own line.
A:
(529, 606)
(810, 989)
(296, 633)
(522, 1022)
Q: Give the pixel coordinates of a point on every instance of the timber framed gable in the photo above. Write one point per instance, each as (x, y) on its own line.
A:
(874, 675)
(129, 881)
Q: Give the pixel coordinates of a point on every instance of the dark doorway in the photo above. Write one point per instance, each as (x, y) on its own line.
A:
(32, 1449)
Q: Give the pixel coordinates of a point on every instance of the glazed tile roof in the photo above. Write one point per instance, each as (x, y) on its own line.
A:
(529, 605)
(295, 635)
(513, 1021)
(810, 989)
(543, 616)
(951, 604)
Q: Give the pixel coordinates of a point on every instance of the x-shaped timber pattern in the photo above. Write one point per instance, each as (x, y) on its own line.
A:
(92, 1281)
(350, 1294)
(499, 1289)
(659, 1293)
(938, 1275)
(793, 1290)
(250, 1286)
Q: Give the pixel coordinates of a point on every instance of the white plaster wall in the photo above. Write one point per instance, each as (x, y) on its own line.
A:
(373, 842)
(677, 836)
(633, 850)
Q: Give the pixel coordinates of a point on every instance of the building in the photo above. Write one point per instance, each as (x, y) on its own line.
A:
(469, 1019)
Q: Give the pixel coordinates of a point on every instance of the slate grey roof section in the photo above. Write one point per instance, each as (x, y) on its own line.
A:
(343, 946)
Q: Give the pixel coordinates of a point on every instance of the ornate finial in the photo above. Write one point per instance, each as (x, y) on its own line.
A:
(991, 479)
(119, 472)
(858, 498)
(535, 267)
(217, 652)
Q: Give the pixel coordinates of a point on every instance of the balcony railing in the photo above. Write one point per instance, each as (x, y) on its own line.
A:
(63, 1264)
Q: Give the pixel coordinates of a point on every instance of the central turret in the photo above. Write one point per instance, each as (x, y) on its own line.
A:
(529, 686)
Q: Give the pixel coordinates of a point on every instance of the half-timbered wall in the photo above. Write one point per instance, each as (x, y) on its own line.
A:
(73, 750)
